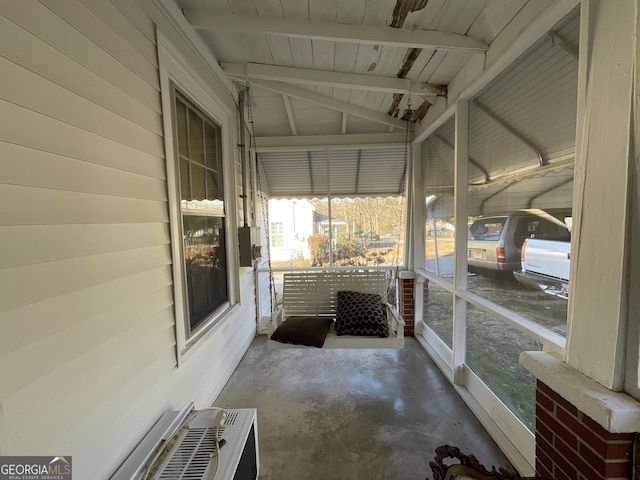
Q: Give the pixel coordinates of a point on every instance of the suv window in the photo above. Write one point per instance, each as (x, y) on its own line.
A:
(535, 227)
(486, 229)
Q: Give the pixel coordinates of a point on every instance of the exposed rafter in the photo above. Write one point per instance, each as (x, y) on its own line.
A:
(332, 79)
(354, 141)
(329, 102)
(338, 32)
(292, 121)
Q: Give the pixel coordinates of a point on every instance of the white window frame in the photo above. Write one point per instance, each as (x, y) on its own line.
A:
(277, 235)
(176, 73)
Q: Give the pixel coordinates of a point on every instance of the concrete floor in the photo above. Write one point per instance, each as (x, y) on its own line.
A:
(352, 414)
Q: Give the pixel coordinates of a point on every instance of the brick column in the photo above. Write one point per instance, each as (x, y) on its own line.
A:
(572, 446)
(407, 305)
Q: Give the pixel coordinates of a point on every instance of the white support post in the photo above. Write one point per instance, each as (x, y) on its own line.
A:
(419, 210)
(328, 160)
(604, 211)
(461, 155)
(418, 302)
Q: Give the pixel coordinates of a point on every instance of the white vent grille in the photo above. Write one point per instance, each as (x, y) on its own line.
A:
(192, 457)
(230, 420)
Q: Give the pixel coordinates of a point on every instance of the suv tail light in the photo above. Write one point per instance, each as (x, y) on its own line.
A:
(524, 244)
(500, 255)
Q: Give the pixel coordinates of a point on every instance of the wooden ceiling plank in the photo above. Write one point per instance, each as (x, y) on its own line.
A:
(339, 32)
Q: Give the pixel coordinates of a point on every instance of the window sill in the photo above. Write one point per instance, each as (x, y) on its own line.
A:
(205, 333)
(614, 411)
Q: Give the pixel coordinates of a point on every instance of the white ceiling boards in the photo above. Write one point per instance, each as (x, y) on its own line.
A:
(319, 68)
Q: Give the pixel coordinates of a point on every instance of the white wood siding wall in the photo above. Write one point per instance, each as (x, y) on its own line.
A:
(87, 344)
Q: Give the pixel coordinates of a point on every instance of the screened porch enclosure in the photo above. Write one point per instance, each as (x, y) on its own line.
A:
(519, 130)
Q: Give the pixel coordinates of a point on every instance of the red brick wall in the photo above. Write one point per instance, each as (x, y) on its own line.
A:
(572, 446)
(407, 306)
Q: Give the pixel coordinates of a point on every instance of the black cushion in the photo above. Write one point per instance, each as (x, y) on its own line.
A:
(362, 314)
(309, 331)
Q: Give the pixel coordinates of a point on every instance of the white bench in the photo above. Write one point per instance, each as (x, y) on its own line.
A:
(315, 294)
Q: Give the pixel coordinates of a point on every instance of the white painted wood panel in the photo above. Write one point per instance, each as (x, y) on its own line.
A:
(345, 60)
(269, 8)
(93, 29)
(31, 244)
(37, 168)
(38, 206)
(280, 50)
(33, 283)
(36, 321)
(243, 7)
(61, 138)
(23, 87)
(323, 10)
(227, 47)
(22, 47)
(493, 18)
(53, 30)
(351, 12)
(378, 12)
(259, 51)
(302, 52)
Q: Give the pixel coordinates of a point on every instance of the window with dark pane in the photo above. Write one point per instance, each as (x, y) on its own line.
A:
(203, 217)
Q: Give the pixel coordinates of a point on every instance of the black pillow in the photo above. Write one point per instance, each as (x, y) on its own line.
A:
(309, 331)
(362, 314)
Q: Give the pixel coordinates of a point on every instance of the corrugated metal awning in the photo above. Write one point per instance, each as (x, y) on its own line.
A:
(350, 173)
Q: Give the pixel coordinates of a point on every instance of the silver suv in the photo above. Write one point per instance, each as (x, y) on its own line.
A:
(494, 241)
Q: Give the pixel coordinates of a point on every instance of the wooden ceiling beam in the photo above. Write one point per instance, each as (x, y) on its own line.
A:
(337, 32)
(329, 102)
(350, 141)
(332, 79)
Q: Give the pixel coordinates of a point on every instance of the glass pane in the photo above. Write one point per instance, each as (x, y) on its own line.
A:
(198, 182)
(438, 160)
(293, 236)
(205, 266)
(440, 237)
(361, 231)
(185, 183)
(519, 207)
(493, 350)
(196, 138)
(438, 311)
(181, 123)
(214, 185)
(213, 150)
(366, 230)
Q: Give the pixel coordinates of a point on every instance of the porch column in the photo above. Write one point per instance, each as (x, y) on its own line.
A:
(585, 417)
